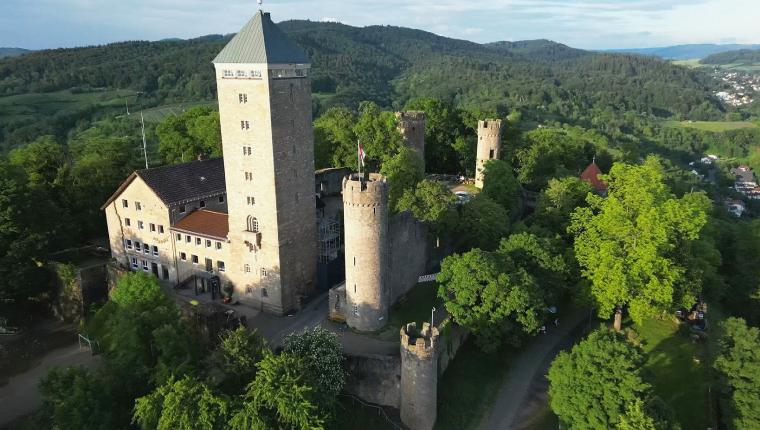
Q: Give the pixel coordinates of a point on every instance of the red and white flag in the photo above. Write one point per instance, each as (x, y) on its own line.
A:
(361, 153)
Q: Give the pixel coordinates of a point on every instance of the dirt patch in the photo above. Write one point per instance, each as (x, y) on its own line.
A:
(23, 351)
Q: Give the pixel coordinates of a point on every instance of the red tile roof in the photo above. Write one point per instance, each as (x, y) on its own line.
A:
(205, 223)
(591, 175)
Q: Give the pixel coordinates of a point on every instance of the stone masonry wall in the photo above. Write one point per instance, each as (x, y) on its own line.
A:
(489, 146)
(374, 378)
(408, 249)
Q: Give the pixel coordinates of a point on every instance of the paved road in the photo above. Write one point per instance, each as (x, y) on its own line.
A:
(22, 397)
(525, 378)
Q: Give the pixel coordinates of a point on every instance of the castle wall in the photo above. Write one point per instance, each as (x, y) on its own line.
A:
(408, 249)
(329, 182)
(365, 213)
(374, 378)
(489, 146)
(411, 125)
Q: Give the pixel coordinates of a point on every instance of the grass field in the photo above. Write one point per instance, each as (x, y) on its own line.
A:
(714, 126)
(34, 105)
(679, 370)
(157, 114)
(415, 306)
(753, 68)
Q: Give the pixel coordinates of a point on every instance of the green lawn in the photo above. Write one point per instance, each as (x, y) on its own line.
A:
(157, 114)
(415, 306)
(679, 371)
(714, 126)
(34, 105)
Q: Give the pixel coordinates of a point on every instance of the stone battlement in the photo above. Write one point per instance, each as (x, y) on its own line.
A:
(490, 127)
(413, 115)
(421, 343)
(371, 192)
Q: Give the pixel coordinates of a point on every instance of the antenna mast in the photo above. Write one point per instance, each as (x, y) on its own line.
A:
(145, 147)
(259, 2)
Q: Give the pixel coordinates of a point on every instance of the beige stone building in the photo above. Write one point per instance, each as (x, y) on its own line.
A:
(489, 146)
(248, 218)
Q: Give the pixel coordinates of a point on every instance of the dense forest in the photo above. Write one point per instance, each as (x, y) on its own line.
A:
(742, 56)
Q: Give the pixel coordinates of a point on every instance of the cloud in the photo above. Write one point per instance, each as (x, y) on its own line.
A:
(584, 23)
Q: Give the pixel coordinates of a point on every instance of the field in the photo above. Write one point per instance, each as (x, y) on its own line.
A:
(753, 68)
(415, 306)
(714, 126)
(34, 105)
(157, 114)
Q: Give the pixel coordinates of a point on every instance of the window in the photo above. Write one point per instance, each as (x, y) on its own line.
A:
(248, 176)
(356, 310)
(138, 246)
(298, 196)
(129, 244)
(220, 266)
(140, 225)
(138, 206)
(490, 154)
(195, 259)
(245, 125)
(183, 256)
(251, 200)
(228, 74)
(218, 246)
(198, 241)
(264, 272)
(124, 203)
(161, 229)
(247, 268)
(253, 224)
(208, 243)
(179, 237)
(240, 74)
(152, 227)
(243, 98)
(264, 292)
(202, 203)
(221, 199)
(134, 263)
(155, 250)
(255, 73)
(246, 150)
(146, 248)
(145, 265)
(301, 73)
(182, 209)
(188, 239)
(127, 222)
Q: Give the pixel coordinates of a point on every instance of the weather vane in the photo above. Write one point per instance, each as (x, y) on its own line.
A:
(259, 2)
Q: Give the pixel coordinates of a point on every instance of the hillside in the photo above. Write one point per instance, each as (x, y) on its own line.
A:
(685, 52)
(742, 56)
(12, 52)
(388, 65)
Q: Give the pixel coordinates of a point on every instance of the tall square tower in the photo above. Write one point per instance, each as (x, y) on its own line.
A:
(264, 94)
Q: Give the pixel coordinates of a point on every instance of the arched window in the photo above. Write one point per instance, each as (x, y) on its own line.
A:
(253, 224)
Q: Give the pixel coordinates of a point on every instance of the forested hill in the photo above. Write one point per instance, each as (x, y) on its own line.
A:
(388, 65)
(742, 56)
(12, 52)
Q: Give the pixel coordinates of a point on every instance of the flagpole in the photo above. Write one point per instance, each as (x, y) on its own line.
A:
(359, 158)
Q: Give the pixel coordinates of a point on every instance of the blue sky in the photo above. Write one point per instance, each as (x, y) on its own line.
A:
(591, 24)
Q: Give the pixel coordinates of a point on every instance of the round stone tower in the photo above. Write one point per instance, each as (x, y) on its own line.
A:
(365, 217)
(411, 125)
(489, 146)
(419, 376)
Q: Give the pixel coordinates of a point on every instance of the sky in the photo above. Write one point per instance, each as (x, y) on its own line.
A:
(588, 24)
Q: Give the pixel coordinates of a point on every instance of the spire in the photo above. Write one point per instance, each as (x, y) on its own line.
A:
(260, 41)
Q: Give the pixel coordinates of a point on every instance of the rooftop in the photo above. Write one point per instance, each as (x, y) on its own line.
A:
(261, 42)
(205, 223)
(591, 175)
(186, 182)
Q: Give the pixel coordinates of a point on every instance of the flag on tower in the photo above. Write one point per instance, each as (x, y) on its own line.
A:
(361, 152)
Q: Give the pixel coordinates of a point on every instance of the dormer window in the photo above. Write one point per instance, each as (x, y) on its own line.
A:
(241, 73)
(228, 74)
(255, 73)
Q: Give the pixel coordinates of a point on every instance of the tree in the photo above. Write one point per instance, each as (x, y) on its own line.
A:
(432, 203)
(558, 201)
(443, 125)
(627, 243)
(499, 185)
(43, 160)
(403, 171)
(183, 138)
(591, 385)
(236, 357)
(184, 404)
(492, 299)
(322, 357)
(636, 418)
(482, 223)
(76, 398)
(335, 143)
(279, 397)
(739, 367)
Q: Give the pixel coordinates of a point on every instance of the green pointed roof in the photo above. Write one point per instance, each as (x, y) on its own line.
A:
(261, 41)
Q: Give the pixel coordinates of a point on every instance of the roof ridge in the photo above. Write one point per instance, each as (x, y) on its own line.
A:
(261, 41)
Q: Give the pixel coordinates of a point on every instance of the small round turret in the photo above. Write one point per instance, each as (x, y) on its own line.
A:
(411, 125)
(419, 376)
(365, 216)
(489, 146)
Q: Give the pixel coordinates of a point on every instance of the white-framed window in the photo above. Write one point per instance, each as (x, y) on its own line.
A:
(195, 259)
(248, 176)
(134, 262)
(243, 98)
(255, 73)
(247, 268)
(179, 237)
(129, 244)
(160, 229)
(264, 273)
(152, 227)
(182, 209)
(198, 241)
(124, 203)
(221, 199)
(220, 266)
(208, 243)
(146, 248)
(138, 206)
(240, 73)
(138, 246)
(228, 74)
(145, 265)
(183, 256)
(245, 125)
(127, 222)
(248, 150)
(140, 225)
(155, 250)
(356, 310)
(251, 200)
(218, 246)
(253, 224)
(188, 239)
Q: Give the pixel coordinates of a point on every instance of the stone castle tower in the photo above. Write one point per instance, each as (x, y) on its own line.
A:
(489, 146)
(419, 376)
(411, 125)
(265, 113)
(365, 218)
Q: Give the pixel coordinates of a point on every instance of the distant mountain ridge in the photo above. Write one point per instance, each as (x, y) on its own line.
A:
(685, 52)
(742, 56)
(13, 52)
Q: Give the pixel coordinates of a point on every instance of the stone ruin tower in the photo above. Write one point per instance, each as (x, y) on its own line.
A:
(489, 146)
(411, 125)
(419, 376)
(365, 213)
